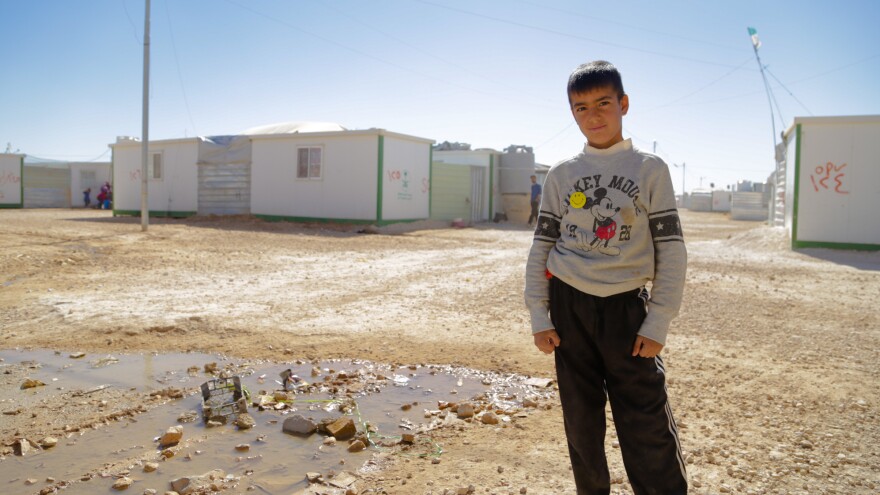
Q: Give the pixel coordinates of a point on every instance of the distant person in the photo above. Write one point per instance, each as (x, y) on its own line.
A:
(87, 197)
(536, 199)
(104, 196)
(608, 225)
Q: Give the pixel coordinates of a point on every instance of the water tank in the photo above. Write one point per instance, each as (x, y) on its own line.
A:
(517, 165)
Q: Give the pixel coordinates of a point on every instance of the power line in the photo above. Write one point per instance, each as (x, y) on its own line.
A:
(179, 74)
(134, 31)
(789, 91)
(370, 56)
(792, 83)
(631, 26)
(701, 88)
(568, 35)
(424, 52)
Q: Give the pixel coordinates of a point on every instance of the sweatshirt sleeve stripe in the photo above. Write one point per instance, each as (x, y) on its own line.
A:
(547, 227)
(665, 226)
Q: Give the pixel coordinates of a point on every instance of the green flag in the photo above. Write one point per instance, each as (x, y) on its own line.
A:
(755, 41)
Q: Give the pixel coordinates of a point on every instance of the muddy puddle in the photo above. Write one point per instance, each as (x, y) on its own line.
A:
(384, 401)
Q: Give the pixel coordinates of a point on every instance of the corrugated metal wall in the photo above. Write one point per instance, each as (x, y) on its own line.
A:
(224, 189)
(748, 206)
(46, 187)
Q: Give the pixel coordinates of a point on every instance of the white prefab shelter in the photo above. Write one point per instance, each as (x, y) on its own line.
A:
(464, 184)
(11, 185)
(831, 190)
(88, 175)
(363, 176)
(172, 177)
(185, 177)
(721, 201)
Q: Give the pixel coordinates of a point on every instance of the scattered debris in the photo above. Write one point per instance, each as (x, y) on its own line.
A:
(539, 382)
(105, 361)
(198, 484)
(31, 383)
(222, 398)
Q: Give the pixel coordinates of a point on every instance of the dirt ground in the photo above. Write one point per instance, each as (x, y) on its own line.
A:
(772, 363)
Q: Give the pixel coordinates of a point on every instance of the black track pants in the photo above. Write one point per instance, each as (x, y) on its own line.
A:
(595, 358)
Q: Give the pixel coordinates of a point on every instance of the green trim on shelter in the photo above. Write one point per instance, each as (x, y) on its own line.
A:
(380, 166)
(835, 245)
(491, 187)
(284, 218)
(430, 177)
(797, 186)
(21, 181)
(155, 214)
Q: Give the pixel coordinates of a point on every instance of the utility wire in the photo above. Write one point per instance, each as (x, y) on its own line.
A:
(179, 74)
(368, 55)
(631, 26)
(792, 83)
(738, 67)
(555, 135)
(134, 30)
(425, 52)
(568, 35)
(788, 90)
(776, 103)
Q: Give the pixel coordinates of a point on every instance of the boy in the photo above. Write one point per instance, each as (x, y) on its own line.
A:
(608, 224)
(535, 199)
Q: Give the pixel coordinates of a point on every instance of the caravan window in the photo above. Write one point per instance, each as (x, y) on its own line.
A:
(308, 162)
(155, 166)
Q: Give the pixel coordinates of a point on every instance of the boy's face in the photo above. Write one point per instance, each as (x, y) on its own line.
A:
(599, 115)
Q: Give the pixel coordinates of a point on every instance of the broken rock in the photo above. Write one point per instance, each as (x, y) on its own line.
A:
(465, 410)
(122, 483)
(31, 383)
(356, 446)
(299, 425)
(245, 421)
(489, 418)
(342, 428)
(48, 442)
(23, 446)
(193, 484)
(171, 436)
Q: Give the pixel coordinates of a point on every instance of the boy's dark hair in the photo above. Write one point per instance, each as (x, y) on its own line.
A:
(595, 74)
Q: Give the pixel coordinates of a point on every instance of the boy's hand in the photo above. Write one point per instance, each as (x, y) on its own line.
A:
(547, 341)
(646, 347)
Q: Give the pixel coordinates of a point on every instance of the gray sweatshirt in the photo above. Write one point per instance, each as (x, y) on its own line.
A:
(608, 224)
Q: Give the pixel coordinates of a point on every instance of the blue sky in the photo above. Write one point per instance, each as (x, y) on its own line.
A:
(489, 73)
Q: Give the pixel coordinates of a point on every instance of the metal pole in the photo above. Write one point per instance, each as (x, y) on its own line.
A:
(682, 177)
(769, 99)
(145, 129)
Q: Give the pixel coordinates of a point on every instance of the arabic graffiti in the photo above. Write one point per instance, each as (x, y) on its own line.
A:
(824, 173)
(9, 178)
